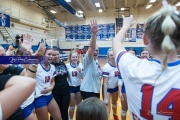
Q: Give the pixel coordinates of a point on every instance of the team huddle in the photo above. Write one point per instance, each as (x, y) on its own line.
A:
(147, 86)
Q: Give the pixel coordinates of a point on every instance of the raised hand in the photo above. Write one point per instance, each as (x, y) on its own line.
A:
(27, 42)
(128, 21)
(94, 27)
(41, 50)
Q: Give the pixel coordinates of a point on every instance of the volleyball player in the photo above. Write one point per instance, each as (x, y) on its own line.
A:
(144, 54)
(110, 83)
(74, 79)
(153, 86)
(44, 101)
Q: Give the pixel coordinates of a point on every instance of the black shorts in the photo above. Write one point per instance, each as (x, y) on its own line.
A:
(86, 95)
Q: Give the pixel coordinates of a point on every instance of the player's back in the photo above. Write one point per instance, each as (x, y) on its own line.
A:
(152, 93)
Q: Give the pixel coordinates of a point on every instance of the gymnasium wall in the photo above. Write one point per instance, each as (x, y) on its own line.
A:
(31, 14)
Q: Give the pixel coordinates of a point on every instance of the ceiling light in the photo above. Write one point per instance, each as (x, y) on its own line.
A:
(53, 11)
(79, 11)
(100, 10)
(97, 4)
(68, 0)
(178, 4)
(122, 8)
(148, 6)
(152, 1)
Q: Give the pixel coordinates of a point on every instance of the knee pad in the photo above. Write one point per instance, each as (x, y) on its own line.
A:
(71, 108)
(114, 105)
(123, 113)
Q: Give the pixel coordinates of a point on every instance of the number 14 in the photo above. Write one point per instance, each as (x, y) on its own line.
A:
(168, 106)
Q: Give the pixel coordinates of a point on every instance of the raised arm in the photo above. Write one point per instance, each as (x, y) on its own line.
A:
(16, 91)
(92, 47)
(117, 42)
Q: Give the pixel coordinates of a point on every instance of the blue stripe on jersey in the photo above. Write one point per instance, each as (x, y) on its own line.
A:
(169, 64)
(118, 58)
(44, 68)
(111, 65)
(105, 73)
(119, 77)
(74, 66)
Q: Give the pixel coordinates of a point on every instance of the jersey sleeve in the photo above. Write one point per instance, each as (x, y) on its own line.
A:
(54, 71)
(120, 82)
(127, 63)
(105, 71)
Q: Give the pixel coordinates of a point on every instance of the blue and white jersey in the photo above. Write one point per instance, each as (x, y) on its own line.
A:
(112, 73)
(28, 101)
(74, 77)
(152, 93)
(43, 79)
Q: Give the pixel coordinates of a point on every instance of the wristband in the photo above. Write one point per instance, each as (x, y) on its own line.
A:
(32, 71)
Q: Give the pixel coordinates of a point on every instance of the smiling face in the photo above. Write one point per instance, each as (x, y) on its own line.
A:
(56, 56)
(74, 58)
(48, 57)
(144, 54)
(111, 56)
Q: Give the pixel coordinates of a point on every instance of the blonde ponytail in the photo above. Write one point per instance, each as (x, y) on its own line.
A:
(168, 27)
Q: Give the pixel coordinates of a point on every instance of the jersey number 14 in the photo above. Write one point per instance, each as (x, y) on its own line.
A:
(168, 106)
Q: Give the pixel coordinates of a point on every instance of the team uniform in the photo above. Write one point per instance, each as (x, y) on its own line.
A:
(28, 106)
(92, 75)
(112, 73)
(43, 79)
(74, 77)
(152, 94)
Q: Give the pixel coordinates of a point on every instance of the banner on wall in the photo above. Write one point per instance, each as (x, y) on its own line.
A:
(139, 30)
(4, 20)
(130, 35)
(83, 32)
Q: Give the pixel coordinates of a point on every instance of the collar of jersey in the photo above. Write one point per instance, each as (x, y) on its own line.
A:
(44, 68)
(74, 66)
(169, 64)
(111, 65)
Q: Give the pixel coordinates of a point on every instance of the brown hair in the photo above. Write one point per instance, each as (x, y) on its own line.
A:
(91, 109)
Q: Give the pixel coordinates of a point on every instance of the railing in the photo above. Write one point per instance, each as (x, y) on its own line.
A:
(10, 34)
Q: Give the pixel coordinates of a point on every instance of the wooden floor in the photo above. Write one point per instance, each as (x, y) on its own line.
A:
(102, 62)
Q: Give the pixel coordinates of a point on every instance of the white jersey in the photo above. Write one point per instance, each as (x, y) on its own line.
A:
(152, 94)
(43, 79)
(112, 73)
(92, 75)
(74, 77)
(28, 101)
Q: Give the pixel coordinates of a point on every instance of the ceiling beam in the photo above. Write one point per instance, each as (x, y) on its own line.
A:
(125, 3)
(102, 1)
(137, 2)
(81, 5)
(114, 3)
(92, 5)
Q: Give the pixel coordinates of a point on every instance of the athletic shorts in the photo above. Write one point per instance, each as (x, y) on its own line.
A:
(123, 90)
(42, 101)
(74, 89)
(112, 90)
(28, 110)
